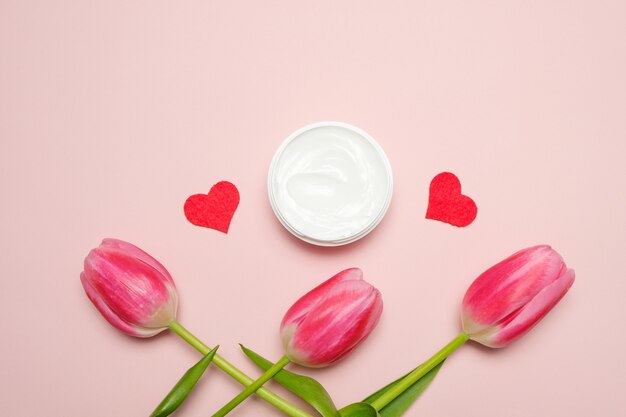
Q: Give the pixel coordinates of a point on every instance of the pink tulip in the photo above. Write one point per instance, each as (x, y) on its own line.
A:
(131, 289)
(323, 326)
(137, 295)
(331, 320)
(509, 298)
(500, 306)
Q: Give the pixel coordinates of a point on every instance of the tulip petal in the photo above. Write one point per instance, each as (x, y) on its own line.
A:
(536, 309)
(529, 315)
(310, 300)
(134, 290)
(110, 316)
(508, 286)
(135, 252)
(346, 314)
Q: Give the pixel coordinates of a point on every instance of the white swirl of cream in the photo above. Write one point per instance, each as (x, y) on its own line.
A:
(330, 183)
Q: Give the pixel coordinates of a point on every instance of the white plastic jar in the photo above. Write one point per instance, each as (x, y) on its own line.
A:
(330, 183)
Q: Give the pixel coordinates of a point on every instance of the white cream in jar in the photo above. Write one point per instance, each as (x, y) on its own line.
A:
(330, 183)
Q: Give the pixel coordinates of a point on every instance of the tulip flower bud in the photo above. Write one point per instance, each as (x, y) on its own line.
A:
(509, 298)
(331, 320)
(131, 289)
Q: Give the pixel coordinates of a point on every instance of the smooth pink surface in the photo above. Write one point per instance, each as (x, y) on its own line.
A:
(112, 113)
(331, 320)
(509, 298)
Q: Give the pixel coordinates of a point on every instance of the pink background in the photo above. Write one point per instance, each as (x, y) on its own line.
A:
(113, 112)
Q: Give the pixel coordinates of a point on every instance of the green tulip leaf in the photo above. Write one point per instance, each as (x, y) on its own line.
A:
(400, 404)
(183, 387)
(305, 387)
(359, 410)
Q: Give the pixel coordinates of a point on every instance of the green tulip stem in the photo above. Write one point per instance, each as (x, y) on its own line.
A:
(419, 372)
(278, 402)
(250, 389)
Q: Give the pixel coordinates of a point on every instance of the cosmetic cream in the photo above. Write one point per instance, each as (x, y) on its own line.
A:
(330, 183)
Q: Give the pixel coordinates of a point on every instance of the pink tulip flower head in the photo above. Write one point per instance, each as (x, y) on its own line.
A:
(509, 298)
(331, 320)
(131, 289)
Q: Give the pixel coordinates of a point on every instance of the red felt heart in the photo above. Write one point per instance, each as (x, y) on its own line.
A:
(213, 210)
(447, 204)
